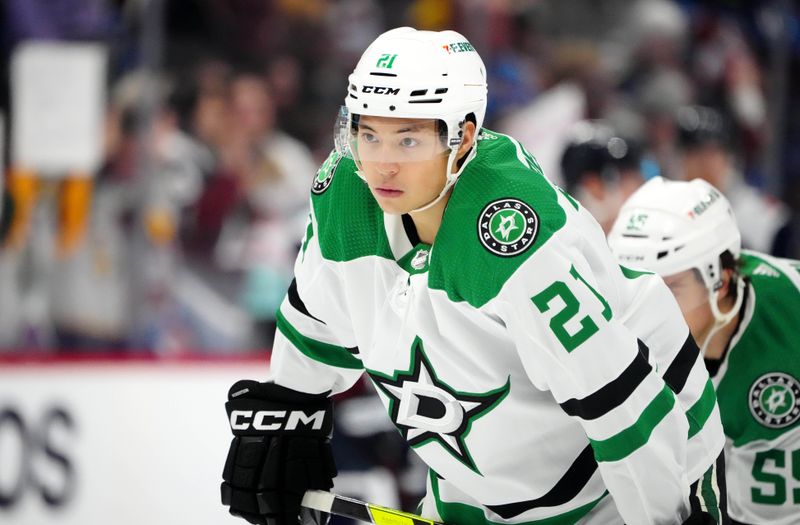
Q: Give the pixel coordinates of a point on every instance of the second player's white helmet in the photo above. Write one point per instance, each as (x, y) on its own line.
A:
(407, 73)
(672, 226)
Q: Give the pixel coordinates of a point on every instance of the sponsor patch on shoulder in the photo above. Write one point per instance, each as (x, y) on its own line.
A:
(325, 173)
(507, 227)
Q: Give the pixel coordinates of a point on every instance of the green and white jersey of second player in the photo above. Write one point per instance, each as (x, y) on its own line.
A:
(539, 380)
(759, 396)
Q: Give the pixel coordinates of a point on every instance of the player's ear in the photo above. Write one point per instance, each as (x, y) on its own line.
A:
(727, 281)
(468, 131)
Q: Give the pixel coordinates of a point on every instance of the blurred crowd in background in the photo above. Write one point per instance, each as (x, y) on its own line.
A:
(219, 112)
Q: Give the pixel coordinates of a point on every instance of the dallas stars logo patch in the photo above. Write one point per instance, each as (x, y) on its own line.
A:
(775, 400)
(507, 227)
(426, 410)
(325, 173)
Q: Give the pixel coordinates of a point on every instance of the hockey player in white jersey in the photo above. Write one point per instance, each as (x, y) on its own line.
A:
(743, 307)
(539, 380)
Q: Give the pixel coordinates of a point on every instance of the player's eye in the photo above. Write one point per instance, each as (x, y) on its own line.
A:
(409, 142)
(369, 137)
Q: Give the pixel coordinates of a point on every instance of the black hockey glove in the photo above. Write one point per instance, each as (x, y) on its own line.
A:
(281, 448)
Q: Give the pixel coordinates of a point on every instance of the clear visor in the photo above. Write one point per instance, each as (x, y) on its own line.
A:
(689, 290)
(386, 140)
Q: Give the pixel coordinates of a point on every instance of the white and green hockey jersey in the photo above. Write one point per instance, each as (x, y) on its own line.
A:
(541, 382)
(759, 396)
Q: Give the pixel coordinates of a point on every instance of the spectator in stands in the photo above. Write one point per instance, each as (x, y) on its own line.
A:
(601, 169)
(252, 213)
(707, 152)
(114, 288)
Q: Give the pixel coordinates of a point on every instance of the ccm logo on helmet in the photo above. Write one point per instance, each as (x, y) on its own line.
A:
(380, 90)
(275, 419)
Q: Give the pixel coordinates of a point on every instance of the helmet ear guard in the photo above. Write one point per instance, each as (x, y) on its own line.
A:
(721, 319)
(712, 275)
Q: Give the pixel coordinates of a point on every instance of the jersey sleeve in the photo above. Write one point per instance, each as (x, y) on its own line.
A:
(673, 353)
(314, 349)
(560, 308)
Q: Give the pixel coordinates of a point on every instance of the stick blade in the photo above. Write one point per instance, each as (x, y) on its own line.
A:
(359, 510)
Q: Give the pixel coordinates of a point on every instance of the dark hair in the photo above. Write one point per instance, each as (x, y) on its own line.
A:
(700, 126)
(604, 152)
(727, 262)
(469, 118)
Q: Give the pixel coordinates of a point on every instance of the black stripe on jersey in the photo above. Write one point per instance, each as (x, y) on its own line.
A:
(570, 484)
(410, 229)
(297, 302)
(612, 394)
(678, 371)
(644, 350)
(353, 350)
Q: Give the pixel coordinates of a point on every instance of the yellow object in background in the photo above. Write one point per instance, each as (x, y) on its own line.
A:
(74, 207)
(75, 201)
(23, 186)
(433, 15)
(159, 223)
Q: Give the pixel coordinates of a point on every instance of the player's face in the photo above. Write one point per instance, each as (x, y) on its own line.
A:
(403, 161)
(692, 297)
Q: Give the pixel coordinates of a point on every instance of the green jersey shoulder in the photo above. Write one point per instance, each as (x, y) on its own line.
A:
(759, 394)
(501, 211)
(348, 220)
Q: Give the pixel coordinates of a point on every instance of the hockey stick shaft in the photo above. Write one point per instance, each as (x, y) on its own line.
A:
(360, 510)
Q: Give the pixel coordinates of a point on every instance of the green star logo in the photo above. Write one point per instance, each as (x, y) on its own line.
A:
(775, 400)
(324, 175)
(427, 410)
(507, 227)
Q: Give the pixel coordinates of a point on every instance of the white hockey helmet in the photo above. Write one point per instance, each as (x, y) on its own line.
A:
(407, 73)
(672, 226)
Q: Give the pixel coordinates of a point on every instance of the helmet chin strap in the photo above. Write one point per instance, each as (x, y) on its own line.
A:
(720, 319)
(452, 178)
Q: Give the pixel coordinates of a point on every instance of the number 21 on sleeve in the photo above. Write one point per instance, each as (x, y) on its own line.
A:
(588, 327)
